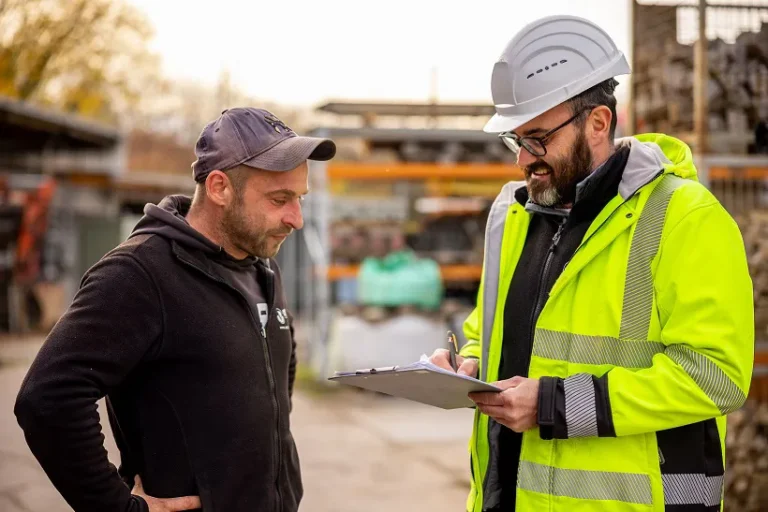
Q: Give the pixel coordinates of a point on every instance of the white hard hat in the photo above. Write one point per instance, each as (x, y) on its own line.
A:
(548, 62)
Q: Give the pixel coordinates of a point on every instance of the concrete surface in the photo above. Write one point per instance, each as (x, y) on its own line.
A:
(358, 452)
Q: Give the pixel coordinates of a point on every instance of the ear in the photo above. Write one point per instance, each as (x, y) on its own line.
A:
(598, 125)
(218, 188)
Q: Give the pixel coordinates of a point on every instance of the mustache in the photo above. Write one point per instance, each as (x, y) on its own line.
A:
(539, 168)
(280, 232)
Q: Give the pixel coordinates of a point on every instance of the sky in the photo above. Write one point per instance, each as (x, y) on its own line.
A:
(305, 52)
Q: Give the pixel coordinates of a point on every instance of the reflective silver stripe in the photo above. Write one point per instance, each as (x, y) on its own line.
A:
(638, 288)
(582, 349)
(580, 409)
(494, 233)
(709, 377)
(585, 485)
(692, 489)
(638, 301)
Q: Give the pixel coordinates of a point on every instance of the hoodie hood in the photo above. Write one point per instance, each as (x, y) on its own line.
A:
(650, 154)
(168, 219)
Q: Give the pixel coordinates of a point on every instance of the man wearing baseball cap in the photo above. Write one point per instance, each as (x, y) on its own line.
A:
(184, 328)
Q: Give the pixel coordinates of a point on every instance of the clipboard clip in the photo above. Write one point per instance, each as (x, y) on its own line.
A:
(373, 371)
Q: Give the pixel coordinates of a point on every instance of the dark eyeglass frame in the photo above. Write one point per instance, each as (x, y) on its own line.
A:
(515, 143)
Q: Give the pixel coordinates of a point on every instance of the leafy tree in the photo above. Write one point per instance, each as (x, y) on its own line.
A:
(89, 57)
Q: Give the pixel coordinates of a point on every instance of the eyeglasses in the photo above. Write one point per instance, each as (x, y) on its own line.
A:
(536, 146)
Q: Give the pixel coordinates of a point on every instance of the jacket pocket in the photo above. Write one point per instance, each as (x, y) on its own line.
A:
(238, 483)
(691, 466)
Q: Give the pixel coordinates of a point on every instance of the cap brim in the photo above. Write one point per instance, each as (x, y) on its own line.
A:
(292, 152)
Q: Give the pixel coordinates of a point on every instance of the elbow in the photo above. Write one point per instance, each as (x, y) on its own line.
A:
(736, 403)
(730, 398)
(27, 408)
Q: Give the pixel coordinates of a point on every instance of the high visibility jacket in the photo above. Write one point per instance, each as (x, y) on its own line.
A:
(648, 333)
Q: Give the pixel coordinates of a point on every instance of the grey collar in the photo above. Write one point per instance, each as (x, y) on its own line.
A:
(556, 212)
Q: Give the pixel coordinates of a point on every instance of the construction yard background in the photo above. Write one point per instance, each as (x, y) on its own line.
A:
(390, 255)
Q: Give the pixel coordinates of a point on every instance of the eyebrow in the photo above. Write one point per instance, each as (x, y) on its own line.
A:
(531, 131)
(285, 191)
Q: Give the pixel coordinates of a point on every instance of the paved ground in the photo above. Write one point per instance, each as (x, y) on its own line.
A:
(357, 451)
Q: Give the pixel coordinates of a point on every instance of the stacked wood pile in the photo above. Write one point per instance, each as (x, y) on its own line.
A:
(746, 477)
(663, 77)
(754, 229)
(746, 481)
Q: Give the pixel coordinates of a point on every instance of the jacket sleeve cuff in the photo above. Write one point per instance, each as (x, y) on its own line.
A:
(578, 406)
(551, 409)
(138, 504)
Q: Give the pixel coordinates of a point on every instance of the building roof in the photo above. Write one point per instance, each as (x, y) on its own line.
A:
(405, 134)
(26, 127)
(407, 109)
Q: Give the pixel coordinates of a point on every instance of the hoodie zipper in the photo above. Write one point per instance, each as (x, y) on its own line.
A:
(270, 279)
(268, 360)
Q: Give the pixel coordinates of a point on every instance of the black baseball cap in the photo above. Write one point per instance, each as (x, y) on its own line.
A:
(257, 138)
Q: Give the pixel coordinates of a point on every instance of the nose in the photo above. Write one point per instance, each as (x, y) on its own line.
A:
(524, 158)
(294, 217)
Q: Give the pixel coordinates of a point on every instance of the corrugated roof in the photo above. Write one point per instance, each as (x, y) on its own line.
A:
(407, 109)
(25, 126)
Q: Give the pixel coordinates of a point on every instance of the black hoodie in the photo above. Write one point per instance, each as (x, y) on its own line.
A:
(198, 397)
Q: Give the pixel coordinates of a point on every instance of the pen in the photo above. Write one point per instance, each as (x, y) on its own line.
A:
(452, 349)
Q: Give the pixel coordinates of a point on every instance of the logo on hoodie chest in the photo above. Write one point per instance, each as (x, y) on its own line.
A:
(280, 314)
(282, 317)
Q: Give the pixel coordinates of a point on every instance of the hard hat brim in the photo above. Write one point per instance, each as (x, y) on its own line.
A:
(499, 123)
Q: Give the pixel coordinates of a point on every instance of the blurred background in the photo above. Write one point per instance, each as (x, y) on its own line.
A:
(101, 102)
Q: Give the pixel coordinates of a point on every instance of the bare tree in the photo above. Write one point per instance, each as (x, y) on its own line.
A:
(185, 107)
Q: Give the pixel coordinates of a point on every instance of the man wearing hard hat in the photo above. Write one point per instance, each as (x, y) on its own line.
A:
(615, 309)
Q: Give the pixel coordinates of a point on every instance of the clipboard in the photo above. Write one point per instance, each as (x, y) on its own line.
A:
(421, 382)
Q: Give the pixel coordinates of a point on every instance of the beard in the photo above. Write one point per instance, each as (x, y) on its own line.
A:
(251, 235)
(564, 174)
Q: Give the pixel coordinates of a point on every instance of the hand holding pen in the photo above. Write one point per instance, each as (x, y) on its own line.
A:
(449, 359)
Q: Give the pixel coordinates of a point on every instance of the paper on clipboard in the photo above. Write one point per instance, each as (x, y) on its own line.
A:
(421, 382)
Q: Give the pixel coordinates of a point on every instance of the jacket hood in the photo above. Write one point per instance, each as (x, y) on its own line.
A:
(168, 219)
(650, 154)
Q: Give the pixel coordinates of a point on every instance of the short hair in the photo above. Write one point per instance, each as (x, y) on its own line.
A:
(600, 94)
(238, 176)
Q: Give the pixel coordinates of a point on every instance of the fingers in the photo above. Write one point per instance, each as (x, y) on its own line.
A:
(494, 411)
(169, 504)
(487, 399)
(468, 367)
(138, 487)
(441, 358)
(183, 503)
(509, 383)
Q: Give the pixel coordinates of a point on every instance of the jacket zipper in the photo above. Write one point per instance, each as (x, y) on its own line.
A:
(584, 242)
(268, 360)
(539, 304)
